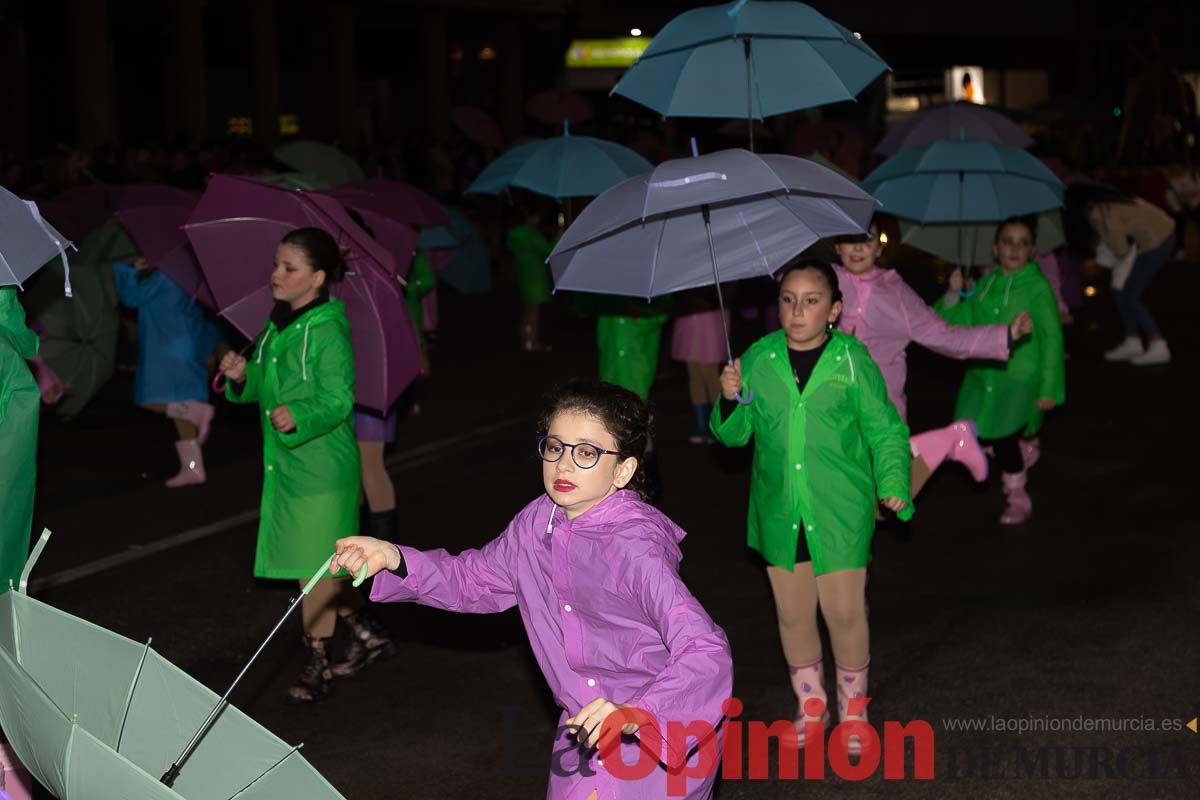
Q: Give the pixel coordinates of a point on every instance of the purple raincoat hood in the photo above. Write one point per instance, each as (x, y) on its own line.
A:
(625, 514)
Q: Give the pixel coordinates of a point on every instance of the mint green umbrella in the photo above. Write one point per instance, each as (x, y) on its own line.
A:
(96, 716)
(323, 161)
(972, 245)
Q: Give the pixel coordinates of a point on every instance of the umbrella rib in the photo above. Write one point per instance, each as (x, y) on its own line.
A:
(654, 264)
(270, 769)
(754, 239)
(129, 698)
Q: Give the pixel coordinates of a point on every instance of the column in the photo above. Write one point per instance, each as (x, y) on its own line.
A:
(265, 47)
(94, 102)
(187, 91)
(344, 75)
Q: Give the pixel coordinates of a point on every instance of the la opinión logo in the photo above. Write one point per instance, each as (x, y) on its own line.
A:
(743, 753)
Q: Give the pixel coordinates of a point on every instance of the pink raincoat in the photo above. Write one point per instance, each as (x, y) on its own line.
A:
(607, 616)
(885, 314)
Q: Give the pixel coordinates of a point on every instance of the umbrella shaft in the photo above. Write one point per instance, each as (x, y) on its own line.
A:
(168, 778)
(749, 97)
(712, 252)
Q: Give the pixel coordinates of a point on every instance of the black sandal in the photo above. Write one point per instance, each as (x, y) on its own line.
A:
(369, 642)
(315, 681)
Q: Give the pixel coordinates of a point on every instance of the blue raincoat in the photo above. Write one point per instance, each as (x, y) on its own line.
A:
(174, 337)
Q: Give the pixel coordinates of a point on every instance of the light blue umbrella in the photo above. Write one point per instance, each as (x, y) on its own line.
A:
(458, 255)
(752, 59)
(701, 221)
(27, 242)
(565, 166)
(964, 180)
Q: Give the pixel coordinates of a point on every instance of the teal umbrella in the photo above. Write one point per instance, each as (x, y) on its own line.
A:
(565, 166)
(972, 246)
(458, 254)
(322, 161)
(749, 59)
(95, 716)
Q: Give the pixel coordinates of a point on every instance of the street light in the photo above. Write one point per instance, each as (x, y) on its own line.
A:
(635, 31)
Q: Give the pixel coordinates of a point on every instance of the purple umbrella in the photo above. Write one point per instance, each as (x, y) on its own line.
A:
(701, 221)
(80, 210)
(961, 120)
(395, 199)
(154, 215)
(235, 229)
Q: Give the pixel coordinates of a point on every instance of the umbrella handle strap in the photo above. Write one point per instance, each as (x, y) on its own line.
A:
(321, 573)
(745, 401)
(219, 382)
(32, 560)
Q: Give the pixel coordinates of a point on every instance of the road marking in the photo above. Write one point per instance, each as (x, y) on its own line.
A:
(407, 459)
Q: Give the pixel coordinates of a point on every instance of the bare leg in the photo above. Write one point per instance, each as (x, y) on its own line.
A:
(319, 607)
(376, 483)
(843, 605)
(697, 386)
(712, 382)
(920, 474)
(796, 606)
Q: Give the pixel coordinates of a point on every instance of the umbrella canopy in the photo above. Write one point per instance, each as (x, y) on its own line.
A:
(559, 105)
(154, 217)
(234, 231)
(459, 255)
(80, 210)
(565, 166)
(27, 241)
(749, 59)
(401, 201)
(95, 715)
(297, 180)
(479, 126)
(322, 161)
(954, 180)
(647, 236)
(961, 120)
(972, 246)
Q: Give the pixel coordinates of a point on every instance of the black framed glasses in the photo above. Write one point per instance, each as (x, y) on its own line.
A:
(585, 456)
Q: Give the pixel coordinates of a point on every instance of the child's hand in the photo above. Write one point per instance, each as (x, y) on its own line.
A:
(354, 551)
(956, 281)
(282, 419)
(234, 366)
(1045, 404)
(731, 379)
(590, 720)
(894, 503)
(1021, 326)
(140, 263)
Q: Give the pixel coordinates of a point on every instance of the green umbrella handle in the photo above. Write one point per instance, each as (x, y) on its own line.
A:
(33, 557)
(321, 573)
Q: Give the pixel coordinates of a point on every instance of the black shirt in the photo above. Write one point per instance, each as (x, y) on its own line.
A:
(802, 362)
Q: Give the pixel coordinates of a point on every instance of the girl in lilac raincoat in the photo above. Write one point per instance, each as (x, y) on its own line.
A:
(594, 571)
(886, 315)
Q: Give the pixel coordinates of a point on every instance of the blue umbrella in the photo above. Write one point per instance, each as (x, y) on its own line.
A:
(565, 166)
(749, 58)
(961, 120)
(27, 242)
(459, 256)
(700, 221)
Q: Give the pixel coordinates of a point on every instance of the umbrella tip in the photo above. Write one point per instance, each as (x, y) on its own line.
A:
(695, 149)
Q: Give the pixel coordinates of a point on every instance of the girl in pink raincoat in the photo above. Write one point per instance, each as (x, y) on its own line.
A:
(886, 315)
(594, 571)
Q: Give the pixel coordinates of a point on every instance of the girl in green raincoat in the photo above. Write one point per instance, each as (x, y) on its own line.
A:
(1008, 400)
(530, 248)
(827, 443)
(302, 376)
(19, 408)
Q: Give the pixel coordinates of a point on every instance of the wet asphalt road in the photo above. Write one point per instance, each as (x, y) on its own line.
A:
(1087, 612)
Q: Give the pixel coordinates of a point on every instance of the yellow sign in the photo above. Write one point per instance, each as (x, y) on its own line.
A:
(605, 52)
(1192, 725)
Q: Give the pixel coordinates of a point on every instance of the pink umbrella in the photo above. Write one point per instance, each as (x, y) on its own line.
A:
(235, 229)
(401, 201)
(478, 125)
(399, 239)
(555, 105)
(154, 215)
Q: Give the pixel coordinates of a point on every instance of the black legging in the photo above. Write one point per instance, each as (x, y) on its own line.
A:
(1007, 451)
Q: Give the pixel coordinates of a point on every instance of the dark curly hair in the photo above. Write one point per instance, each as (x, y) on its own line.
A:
(321, 251)
(1030, 222)
(620, 411)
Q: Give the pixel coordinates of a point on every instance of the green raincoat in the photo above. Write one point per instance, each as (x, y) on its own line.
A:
(1001, 397)
(628, 333)
(530, 250)
(821, 457)
(419, 283)
(311, 475)
(19, 405)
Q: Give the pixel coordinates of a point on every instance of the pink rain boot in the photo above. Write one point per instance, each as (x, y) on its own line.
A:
(852, 685)
(193, 411)
(1031, 451)
(1020, 506)
(191, 465)
(808, 681)
(958, 441)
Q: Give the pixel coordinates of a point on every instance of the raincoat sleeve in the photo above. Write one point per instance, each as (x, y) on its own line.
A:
(249, 388)
(698, 676)
(1048, 338)
(928, 329)
(886, 435)
(736, 429)
(132, 291)
(961, 313)
(472, 582)
(331, 364)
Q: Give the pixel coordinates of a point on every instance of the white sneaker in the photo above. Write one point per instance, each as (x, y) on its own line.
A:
(1156, 353)
(1129, 349)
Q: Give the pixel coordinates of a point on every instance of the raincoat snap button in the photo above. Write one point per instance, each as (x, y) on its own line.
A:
(810, 527)
(772, 355)
(274, 360)
(839, 358)
(621, 353)
(567, 607)
(795, 527)
(799, 466)
(270, 468)
(591, 681)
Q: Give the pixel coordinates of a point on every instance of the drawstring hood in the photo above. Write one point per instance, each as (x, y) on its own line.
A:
(304, 353)
(851, 360)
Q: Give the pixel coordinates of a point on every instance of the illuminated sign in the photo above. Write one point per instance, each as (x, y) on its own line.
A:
(289, 125)
(605, 52)
(965, 83)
